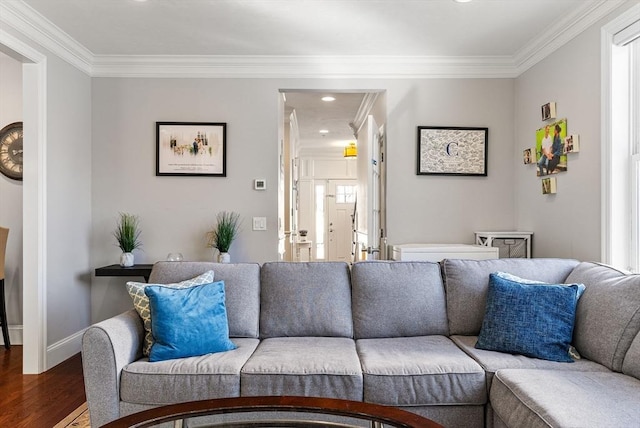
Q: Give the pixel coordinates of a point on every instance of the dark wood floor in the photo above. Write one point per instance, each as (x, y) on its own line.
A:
(38, 401)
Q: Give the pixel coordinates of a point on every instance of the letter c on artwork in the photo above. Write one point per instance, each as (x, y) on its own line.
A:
(452, 149)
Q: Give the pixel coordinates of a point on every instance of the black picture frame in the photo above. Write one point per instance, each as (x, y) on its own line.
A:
(452, 150)
(191, 149)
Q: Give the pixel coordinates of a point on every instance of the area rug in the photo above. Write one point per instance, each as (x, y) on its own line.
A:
(79, 418)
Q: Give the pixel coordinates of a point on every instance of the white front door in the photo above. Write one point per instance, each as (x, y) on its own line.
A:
(340, 197)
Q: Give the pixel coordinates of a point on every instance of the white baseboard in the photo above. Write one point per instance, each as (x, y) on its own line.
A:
(64, 349)
(56, 353)
(15, 335)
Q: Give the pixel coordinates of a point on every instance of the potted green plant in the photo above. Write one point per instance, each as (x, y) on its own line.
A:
(127, 235)
(224, 233)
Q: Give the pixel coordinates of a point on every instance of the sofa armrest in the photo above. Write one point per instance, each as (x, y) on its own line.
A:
(107, 347)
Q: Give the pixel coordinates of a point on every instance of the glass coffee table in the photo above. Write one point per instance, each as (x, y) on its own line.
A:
(274, 411)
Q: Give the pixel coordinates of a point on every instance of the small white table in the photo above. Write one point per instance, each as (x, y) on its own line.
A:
(303, 244)
(509, 239)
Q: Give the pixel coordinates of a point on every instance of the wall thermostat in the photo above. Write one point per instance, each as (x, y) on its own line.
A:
(259, 184)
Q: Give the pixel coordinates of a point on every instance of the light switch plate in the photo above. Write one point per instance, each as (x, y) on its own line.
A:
(259, 223)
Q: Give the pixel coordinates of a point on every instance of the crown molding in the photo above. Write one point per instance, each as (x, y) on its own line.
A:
(27, 21)
(19, 50)
(563, 32)
(363, 111)
(256, 66)
(40, 30)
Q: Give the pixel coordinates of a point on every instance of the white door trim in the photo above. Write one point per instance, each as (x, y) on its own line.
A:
(34, 85)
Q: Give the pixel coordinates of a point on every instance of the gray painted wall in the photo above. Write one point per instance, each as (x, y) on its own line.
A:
(68, 200)
(567, 224)
(68, 203)
(11, 193)
(433, 209)
(101, 160)
(177, 211)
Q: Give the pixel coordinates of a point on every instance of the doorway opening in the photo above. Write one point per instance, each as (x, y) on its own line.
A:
(331, 200)
(34, 243)
(334, 219)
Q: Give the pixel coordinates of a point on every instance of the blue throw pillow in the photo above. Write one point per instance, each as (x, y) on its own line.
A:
(188, 322)
(529, 318)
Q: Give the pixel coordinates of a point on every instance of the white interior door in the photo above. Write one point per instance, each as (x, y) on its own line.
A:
(368, 204)
(340, 197)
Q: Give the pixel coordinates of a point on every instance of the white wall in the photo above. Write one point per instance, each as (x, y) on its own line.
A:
(11, 197)
(566, 224)
(177, 211)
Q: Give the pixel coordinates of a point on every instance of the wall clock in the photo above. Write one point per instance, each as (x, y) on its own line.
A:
(11, 150)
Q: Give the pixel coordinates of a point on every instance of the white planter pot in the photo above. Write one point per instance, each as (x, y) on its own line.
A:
(126, 259)
(224, 258)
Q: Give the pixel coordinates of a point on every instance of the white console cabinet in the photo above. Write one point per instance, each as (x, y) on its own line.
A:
(438, 252)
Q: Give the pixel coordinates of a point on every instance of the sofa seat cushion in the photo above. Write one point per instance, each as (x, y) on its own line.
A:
(492, 361)
(419, 371)
(308, 366)
(553, 398)
(186, 379)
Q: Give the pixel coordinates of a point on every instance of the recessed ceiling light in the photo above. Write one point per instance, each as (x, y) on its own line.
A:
(324, 131)
(462, 1)
(328, 98)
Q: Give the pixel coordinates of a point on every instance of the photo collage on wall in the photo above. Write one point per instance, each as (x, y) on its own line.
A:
(553, 144)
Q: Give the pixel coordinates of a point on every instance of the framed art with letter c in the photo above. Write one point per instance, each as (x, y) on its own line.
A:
(446, 150)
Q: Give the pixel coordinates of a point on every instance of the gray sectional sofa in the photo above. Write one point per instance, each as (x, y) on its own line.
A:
(394, 333)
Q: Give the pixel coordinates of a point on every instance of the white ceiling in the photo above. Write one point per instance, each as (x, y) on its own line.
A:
(313, 114)
(304, 38)
(307, 27)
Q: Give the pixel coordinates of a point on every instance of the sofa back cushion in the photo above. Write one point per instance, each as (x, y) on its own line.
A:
(467, 281)
(242, 289)
(608, 314)
(631, 364)
(394, 299)
(305, 299)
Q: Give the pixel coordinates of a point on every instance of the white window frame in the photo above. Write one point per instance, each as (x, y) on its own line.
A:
(620, 158)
